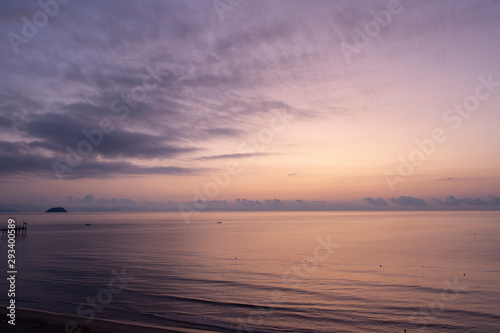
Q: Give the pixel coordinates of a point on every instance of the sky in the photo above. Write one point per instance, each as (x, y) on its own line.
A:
(249, 105)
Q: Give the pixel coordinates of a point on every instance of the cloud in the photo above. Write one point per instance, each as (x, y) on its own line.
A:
(90, 202)
(88, 198)
(246, 202)
(475, 201)
(228, 156)
(21, 159)
(228, 132)
(454, 179)
(184, 128)
(205, 93)
(379, 202)
(495, 200)
(91, 199)
(57, 131)
(6, 122)
(274, 204)
(409, 201)
(468, 201)
(449, 201)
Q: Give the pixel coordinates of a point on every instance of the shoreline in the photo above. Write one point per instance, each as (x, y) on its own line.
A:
(36, 321)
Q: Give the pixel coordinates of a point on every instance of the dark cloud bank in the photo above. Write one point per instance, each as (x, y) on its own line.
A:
(167, 77)
(403, 203)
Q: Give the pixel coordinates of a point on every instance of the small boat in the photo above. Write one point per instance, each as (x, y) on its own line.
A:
(219, 221)
(87, 224)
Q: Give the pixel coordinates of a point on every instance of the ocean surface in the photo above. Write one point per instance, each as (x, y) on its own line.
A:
(265, 271)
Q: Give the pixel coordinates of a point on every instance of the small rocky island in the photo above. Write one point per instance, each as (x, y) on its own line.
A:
(56, 210)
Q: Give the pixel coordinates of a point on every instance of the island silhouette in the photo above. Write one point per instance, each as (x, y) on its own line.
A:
(56, 210)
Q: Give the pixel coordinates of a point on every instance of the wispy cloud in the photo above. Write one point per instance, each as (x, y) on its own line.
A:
(227, 156)
(448, 179)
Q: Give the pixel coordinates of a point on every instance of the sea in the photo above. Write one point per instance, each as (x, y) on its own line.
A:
(264, 271)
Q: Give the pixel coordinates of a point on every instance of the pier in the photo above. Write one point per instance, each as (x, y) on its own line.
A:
(18, 230)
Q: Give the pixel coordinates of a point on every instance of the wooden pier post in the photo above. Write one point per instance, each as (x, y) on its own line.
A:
(18, 230)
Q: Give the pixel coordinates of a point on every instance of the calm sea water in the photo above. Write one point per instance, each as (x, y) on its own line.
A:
(268, 272)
